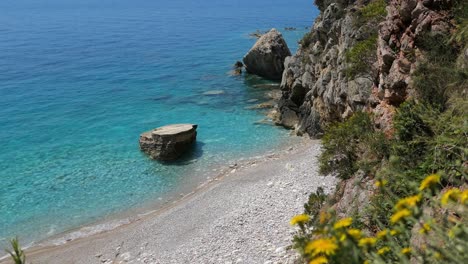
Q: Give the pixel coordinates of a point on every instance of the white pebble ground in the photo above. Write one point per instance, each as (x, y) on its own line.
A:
(242, 217)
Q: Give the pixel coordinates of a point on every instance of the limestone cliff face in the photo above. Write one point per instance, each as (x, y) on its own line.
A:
(316, 86)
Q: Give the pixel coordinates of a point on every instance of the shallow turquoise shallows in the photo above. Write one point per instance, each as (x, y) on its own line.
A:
(79, 82)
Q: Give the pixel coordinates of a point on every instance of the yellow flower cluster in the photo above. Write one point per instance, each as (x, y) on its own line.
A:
(319, 260)
(454, 195)
(406, 251)
(383, 251)
(326, 246)
(343, 223)
(400, 215)
(381, 183)
(367, 241)
(382, 234)
(429, 181)
(355, 233)
(464, 197)
(333, 240)
(324, 217)
(425, 228)
(408, 202)
(300, 219)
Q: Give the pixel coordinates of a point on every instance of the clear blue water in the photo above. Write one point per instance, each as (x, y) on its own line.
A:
(79, 81)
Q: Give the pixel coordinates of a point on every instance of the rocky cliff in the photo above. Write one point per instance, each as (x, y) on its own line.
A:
(358, 55)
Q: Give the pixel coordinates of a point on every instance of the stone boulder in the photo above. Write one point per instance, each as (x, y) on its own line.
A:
(168, 142)
(266, 57)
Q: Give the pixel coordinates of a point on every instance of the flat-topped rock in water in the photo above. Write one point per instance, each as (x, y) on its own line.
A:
(266, 58)
(168, 142)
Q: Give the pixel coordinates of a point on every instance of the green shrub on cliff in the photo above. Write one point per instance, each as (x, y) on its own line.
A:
(345, 142)
(371, 14)
(374, 10)
(306, 40)
(426, 141)
(361, 57)
(418, 209)
(460, 11)
(437, 77)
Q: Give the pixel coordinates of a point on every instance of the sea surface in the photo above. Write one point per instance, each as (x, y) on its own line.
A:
(80, 80)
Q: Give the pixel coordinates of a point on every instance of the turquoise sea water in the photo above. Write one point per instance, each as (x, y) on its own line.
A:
(80, 81)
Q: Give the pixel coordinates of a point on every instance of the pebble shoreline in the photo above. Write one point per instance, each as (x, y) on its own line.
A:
(242, 217)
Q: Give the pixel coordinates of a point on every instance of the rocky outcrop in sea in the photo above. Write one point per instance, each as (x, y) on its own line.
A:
(168, 142)
(266, 58)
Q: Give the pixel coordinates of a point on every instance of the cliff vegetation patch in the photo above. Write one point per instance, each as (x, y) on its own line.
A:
(417, 207)
(361, 58)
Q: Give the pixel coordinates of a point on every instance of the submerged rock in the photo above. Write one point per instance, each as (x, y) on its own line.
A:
(214, 92)
(266, 58)
(168, 142)
(237, 68)
(257, 34)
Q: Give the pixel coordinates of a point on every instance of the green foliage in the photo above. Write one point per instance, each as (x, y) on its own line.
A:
(345, 142)
(437, 48)
(371, 14)
(306, 40)
(461, 35)
(410, 235)
(315, 202)
(460, 11)
(430, 138)
(438, 77)
(17, 254)
(434, 82)
(426, 141)
(361, 57)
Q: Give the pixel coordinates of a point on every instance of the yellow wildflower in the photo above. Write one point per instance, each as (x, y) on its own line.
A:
(345, 222)
(342, 237)
(300, 219)
(367, 241)
(366, 262)
(319, 260)
(382, 234)
(429, 181)
(324, 217)
(325, 246)
(383, 250)
(408, 202)
(451, 233)
(394, 232)
(437, 255)
(464, 196)
(355, 233)
(425, 228)
(381, 183)
(450, 195)
(406, 251)
(396, 217)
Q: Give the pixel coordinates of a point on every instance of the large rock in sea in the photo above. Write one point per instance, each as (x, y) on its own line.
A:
(266, 57)
(168, 142)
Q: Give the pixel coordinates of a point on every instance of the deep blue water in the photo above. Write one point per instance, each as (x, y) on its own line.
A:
(79, 81)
